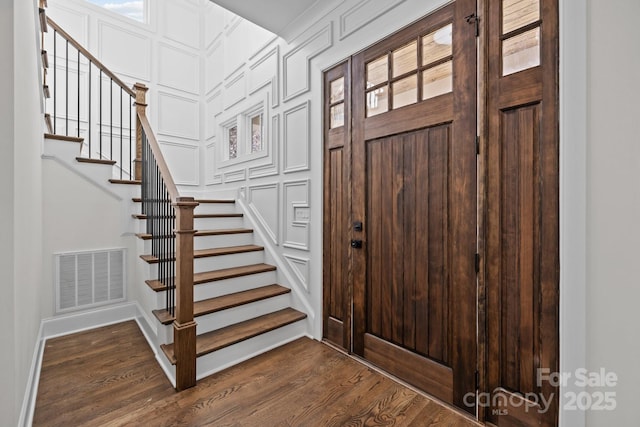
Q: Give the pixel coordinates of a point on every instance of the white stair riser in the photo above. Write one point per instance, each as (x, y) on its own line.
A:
(201, 265)
(63, 150)
(224, 318)
(230, 286)
(216, 208)
(222, 241)
(235, 315)
(98, 172)
(234, 354)
(218, 223)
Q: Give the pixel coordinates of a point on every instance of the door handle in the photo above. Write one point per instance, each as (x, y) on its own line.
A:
(356, 244)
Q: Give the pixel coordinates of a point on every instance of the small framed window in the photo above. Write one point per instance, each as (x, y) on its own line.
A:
(256, 132)
(232, 142)
(132, 9)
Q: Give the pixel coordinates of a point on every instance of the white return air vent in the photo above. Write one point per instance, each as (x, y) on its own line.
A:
(89, 279)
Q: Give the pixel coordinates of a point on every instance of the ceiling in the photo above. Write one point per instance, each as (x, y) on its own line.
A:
(274, 15)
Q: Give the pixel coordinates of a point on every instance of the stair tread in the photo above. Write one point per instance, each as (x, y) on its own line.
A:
(233, 334)
(229, 273)
(223, 231)
(230, 201)
(220, 215)
(203, 233)
(139, 200)
(205, 253)
(215, 275)
(125, 181)
(63, 138)
(214, 305)
(96, 161)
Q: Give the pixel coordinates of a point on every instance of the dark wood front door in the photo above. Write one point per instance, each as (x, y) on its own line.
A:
(403, 286)
(414, 190)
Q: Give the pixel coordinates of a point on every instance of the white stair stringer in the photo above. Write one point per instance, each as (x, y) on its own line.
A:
(285, 276)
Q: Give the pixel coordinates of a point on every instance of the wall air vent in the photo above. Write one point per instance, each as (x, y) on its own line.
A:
(89, 279)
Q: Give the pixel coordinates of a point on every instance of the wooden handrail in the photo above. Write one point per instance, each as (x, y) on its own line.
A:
(157, 153)
(90, 57)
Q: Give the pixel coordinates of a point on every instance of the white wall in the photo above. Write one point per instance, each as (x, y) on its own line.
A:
(8, 413)
(613, 210)
(20, 190)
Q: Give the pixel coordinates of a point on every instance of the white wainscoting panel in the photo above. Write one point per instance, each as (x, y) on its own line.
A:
(182, 23)
(297, 78)
(214, 18)
(235, 176)
(235, 91)
(264, 71)
(214, 66)
(296, 138)
(300, 267)
(178, 69)
(271, 167)
(134, 60)
(183, 161)
(297, 214)
(210, 164)
(363, 13)
(178, 116)
(236, 47)
(264, 202)
(73, 22)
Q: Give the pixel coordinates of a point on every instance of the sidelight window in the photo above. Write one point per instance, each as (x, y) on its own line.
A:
(337, 103)
(520, 35)
(417, 71)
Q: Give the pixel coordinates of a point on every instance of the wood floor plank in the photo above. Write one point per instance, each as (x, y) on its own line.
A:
(109, 376)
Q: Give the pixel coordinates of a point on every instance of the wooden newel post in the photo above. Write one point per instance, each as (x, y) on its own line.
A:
(141, 107)
(184, 327)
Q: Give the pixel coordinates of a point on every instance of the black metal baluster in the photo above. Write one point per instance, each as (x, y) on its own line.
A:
(100, 153)
(111, 120)
(55, 78)
(131, 165)
(78, 93)
(121, 165)
(66, 118)
(90, 108)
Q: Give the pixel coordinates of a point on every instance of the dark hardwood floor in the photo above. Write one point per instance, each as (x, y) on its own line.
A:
(108, 376)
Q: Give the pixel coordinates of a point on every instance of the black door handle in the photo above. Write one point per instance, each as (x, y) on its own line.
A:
(356, 244)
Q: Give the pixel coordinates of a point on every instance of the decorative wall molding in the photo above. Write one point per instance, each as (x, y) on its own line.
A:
(235, 176)
(297, 214)
(264, 202)
(364, 13)
(112, 38)
(181, 23)
(74, 22)
(271, 167)
(300, 267)
(183, 161)
(214, 69)
(210, 161)
(178, 116)
(265, 71)
(296, 63)
(296, 138)
(235, 91)
(178, 69)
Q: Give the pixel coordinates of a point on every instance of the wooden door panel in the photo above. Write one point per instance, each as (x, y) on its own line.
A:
(522, 224)
(414, 187)
(408, 286)
(337, 167)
